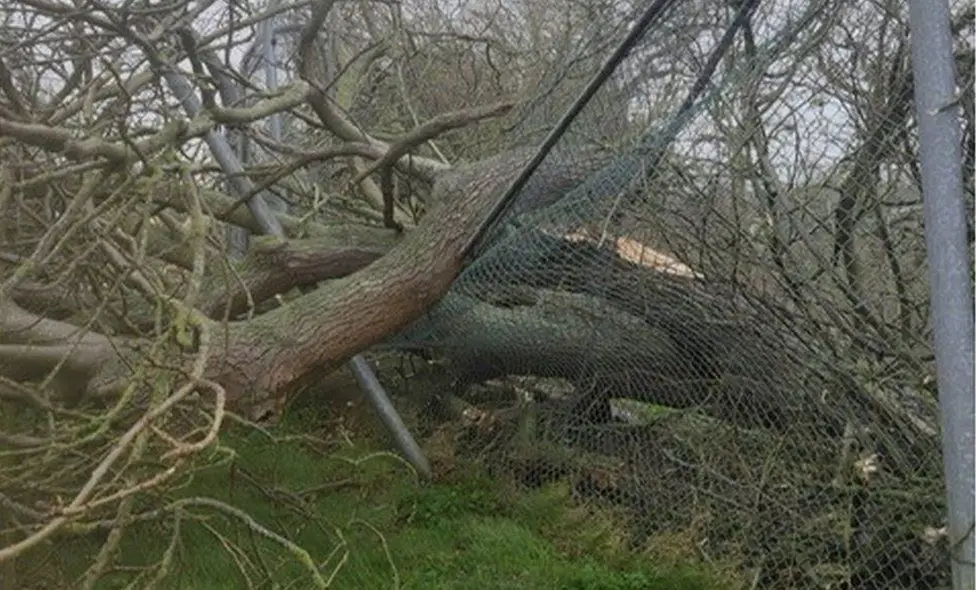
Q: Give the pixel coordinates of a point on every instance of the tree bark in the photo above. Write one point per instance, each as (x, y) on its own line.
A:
(277, 266)
(264, 358)
(607, 352)
(261, 360)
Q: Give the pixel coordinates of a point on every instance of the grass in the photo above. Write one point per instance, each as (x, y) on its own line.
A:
(368, 523)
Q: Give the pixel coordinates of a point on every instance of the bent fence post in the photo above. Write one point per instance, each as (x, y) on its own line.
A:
(950, 266)
(358, 366)
(180, 86)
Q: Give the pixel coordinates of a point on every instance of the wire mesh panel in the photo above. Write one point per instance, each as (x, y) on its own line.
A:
(699, 313)
(715, 318)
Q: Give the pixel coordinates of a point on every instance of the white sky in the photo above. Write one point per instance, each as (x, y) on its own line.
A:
(808, 128)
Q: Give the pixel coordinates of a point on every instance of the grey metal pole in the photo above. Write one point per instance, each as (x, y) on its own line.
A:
(376, 395)
(269, 61)
(228, 162)
(269, 50)
(950, 267)
(230, 92)
(364, 374)
(180, 86)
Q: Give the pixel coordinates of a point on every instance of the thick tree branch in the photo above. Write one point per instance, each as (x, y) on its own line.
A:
(18, 326)
(274, 266)
(318, 332)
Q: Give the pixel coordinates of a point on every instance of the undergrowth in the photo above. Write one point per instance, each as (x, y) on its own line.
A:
(367, 522)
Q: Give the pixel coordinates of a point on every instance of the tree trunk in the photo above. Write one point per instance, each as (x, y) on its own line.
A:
(608, 353)
(265, 357)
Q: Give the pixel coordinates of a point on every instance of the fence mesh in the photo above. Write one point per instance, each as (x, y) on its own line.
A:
(720, 324)
(706, 312)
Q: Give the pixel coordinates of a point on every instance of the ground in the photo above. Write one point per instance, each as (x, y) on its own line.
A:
(324, 480)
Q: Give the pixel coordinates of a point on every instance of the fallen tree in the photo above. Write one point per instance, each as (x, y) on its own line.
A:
(266, 355)
(556, 307)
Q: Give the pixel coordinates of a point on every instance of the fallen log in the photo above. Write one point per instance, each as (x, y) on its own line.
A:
(606, 352)
(545, 306)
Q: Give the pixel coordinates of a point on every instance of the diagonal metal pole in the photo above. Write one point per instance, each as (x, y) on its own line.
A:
(230, 94)
(180, 86)
(364, 374)
(269, 61)
(652, 14)
(950, 266)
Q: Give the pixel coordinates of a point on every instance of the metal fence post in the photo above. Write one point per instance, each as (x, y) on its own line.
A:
(219, 147)
(950, 266)
(365, 376)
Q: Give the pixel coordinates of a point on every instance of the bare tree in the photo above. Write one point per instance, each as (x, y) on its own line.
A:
(125, 135)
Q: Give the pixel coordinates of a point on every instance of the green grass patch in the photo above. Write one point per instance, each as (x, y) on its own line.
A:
(365, 521)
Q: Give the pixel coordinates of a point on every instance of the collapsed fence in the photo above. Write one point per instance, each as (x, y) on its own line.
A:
(731, 313)
(704, 306)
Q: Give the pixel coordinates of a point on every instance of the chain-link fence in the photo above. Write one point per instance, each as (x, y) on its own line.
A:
(704, 309)
(722, 325)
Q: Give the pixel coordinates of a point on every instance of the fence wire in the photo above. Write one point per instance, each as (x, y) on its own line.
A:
(706, 312)
(713, 314)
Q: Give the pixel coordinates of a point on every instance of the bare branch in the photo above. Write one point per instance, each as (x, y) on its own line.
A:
(320, 102)
(432, 129)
